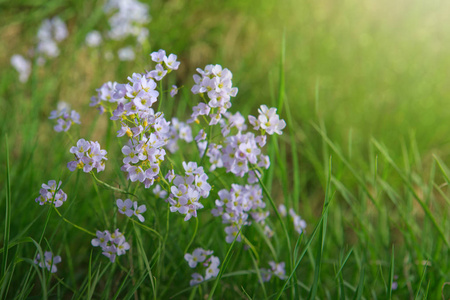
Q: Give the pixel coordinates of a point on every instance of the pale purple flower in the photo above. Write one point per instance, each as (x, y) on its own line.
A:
(253, 177)
(232, 232)
(60, 31)
(187, 190)
(49, 262)
(103, 238)
(125, 207)
(122, 247)
(237, 205)
(299, 223)
(171, 62)
(276, 269)
(51, 32)
(201, 136)
(265, 274)
(126, 54)
(138, 210)
(136, 174)
(110, 252)
(204, 263)
(213, 269)
(170, 176)
(127, 19)
(158, 73)
(159, 192)
(282, 210)
(51, 193)
(93, 38)
(64, 117)
(198, 256)
(268, 120)
(216, 83)
(173, 91)
(196, 279)
(88, 156)
(112, 244)
(268, 231)
(22, 66)
(395, 283)
(159, 56)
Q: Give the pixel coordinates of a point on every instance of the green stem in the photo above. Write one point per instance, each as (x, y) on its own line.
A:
(251, 247)
(111, 187)
(161, 95)
(207, 145)
(70, 137)
(167, 223)
(120, 266)
(193, 237)
(74, 225)
(101, 204)
(147, 228)
(161, 176)
(278, 215)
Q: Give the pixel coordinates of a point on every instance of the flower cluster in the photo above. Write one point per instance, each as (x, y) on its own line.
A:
(112, 244)
(137, 96)
(126, 18)
(268, 121)
(236, 205)
(173, 91)
(165, 64)
(159, 192)
(88, 156)
(143, 157)
(187, 190)
(48, 262)
(240, 151)
(22, 66)
(104, 99)
(394, 285)
(216, 83)
(275, 269)
(178, 130)
(64, 117)
(51, 32)
(126, 54)
(203, 261)
(130, 208)
(51, 193)
(299, 223)
(93, 38)
(148, 131)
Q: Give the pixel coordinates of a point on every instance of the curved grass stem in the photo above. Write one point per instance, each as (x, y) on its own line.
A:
(283, 225)
(110, 186)
(193, 237)
(74, 225)
(147, 228)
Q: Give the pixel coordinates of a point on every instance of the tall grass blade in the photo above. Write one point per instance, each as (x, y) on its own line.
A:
(7, 220)
(322, 235)
(224, 265)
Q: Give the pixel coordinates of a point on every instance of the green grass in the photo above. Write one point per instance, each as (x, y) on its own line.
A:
(364, 159)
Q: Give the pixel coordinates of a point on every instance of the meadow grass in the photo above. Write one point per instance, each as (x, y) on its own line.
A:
(363, 159)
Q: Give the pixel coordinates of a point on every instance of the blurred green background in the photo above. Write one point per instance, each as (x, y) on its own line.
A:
(380, 68)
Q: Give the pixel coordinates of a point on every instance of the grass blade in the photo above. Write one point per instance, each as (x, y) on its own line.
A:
(224, 265)
(7, 220)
